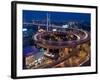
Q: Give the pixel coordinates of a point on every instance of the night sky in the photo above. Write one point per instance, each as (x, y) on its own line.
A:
(29, 15)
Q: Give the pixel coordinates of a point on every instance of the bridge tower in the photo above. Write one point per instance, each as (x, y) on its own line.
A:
(48, 21)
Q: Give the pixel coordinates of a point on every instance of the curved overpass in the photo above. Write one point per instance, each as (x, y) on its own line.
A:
(81, 37)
